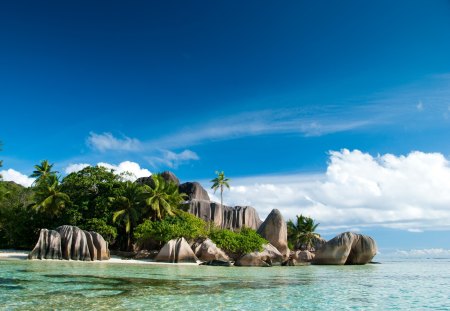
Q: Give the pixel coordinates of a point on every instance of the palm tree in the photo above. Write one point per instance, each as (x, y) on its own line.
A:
(219, 182)
(48, 197)
(43, 171)
(128, 205)
(163, 198)
(302, 233)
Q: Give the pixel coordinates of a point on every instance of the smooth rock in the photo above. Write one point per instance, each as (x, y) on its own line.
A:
(274, 230)
(346, 248)
(268, 257)
(208, 251)
(194, 190)
(175, 251)
(302, 256)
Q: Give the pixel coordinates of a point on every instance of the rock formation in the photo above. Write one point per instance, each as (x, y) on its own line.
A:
(175, 251)
(70, 243)
(268, 257)
(274, 230)
(225, 217)
(167, 176)
(208, 251)
(302, 257)
(346, 248)
(194, 190)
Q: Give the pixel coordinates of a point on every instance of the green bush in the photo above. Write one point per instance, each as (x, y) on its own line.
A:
(109, 233)
(242, 242)
(172, 227)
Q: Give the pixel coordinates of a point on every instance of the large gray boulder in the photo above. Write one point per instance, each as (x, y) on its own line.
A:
(274, 230)
(167, 176)
(175, 251)
(225, 217)
(70, 243)
(208, 251)
(302, 256)
(268, 257)
(347, 248)
(194, 190)
(48, 246)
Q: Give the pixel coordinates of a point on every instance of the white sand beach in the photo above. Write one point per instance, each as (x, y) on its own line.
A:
(10, 254)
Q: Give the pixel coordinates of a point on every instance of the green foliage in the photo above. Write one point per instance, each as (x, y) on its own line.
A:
(163, 199)
(219, 182)
(19, 225)
(301, 234)
(90, 190)
(48, 197)
(109, 233)
(182, 224)
(240, 242)
(43, 171)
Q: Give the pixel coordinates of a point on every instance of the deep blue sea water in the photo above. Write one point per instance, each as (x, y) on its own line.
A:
(61, 285)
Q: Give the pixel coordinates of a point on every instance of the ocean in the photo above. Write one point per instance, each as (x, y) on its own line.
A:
(394, 284)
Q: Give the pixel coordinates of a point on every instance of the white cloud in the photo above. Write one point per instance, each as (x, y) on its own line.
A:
(172, 159)
(17, 177)
(409, 192)
(106, 141)
(130, 170)
(72, 168)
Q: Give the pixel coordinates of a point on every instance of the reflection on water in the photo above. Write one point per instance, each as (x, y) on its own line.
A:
(42, 285)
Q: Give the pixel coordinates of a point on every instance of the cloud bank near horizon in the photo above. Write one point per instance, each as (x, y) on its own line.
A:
(358, 190)
(409, 192)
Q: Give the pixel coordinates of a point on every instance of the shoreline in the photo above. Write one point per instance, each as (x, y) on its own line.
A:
(10, 254)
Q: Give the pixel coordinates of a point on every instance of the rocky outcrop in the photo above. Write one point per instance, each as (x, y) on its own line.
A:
(208, 251)
(302, 257)
(347, 248)
(175, 251)
(194, 191)
(70, 243)
(167, 176)
(225, 217)
(268, 257)
(48, 246)
(274, 230)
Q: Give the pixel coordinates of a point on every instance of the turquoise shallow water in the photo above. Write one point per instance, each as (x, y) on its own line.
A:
(392, 285)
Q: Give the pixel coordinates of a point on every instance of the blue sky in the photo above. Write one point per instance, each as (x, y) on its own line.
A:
(261, 90)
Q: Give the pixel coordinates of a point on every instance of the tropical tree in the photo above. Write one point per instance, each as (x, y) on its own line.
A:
(43, 171)
(219, 183)
(128, 206)
(301, 234)
(163, 198)
(48, 197)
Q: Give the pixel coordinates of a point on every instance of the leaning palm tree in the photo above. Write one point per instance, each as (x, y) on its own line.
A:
(163, 198)
(219, 183)
(48, 197)
(301, 234)
(127, 207)
(42, 171)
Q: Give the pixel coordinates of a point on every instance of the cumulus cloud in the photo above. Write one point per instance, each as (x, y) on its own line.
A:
(358, 190)
(129, 170)
(17, 177)
(106, 141)
(173, 159)
(72, 168)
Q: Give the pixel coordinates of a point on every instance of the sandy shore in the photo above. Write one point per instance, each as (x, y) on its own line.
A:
(22, 255)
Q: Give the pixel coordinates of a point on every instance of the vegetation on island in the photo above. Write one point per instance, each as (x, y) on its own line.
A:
(301, 234)
(123, 212)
